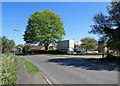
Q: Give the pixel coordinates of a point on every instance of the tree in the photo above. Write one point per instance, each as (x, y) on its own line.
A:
(88, 44)
(108, 27)
(19, 47)
(44, 27)
(7, 45)
(27, 49)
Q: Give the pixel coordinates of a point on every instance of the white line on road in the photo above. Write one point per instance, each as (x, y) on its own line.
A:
(47, 80)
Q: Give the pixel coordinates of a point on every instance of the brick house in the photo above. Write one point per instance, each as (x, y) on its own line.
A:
(102, 47)
(38, 47)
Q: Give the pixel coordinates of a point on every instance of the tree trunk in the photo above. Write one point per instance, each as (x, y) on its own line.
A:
(118, 53)
(46, 46)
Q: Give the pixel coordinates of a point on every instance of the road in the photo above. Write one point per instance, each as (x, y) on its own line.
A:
(75, 70)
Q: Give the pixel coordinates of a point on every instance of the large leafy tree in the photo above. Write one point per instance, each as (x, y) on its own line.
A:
(108, 26)
(88, 44)
(44, 27)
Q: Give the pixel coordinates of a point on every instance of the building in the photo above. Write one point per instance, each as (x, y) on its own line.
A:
(102, 47)
(77, 46)
(77, 43)
(68, 45)
(54, 47)
(38, 47)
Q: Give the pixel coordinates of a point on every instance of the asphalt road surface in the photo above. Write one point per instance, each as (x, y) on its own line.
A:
(75, 70)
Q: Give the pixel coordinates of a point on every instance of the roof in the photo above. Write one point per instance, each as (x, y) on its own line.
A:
(37, 47)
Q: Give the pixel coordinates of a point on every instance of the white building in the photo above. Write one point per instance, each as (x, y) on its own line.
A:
(77, 42)
(67, 45)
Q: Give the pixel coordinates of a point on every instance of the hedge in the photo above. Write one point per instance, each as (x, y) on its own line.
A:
(60, 52)
(91, 54)
(8, 73)
(47, 52)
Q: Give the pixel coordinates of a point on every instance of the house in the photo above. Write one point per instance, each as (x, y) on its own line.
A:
(102, 47)
(38, 47)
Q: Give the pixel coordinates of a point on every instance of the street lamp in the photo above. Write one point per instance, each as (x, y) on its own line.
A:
(14, 40)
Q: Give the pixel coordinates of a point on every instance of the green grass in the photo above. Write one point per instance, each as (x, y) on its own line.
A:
(29, 66)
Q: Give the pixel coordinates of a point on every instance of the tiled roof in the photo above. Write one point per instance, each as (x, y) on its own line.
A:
(37, 47)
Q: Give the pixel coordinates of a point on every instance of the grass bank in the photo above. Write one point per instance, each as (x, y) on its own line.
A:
(29, 66)
(8, 70)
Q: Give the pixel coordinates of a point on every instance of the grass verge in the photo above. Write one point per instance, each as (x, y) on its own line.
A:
(29, 66)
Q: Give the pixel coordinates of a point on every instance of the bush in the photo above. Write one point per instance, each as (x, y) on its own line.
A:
(8, 73)
(66, 52)
(91, 54)
(109, 55)
(49, 51)
(27, 49)
(111, 58)
(80, 54)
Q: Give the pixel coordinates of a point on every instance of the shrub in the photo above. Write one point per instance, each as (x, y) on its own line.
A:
(9, 69)
(60, 52)
(80, 54)
(27, 49)
(49, 51)
(91, 54)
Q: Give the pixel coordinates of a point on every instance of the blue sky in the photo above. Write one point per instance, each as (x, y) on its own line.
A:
(76, 16)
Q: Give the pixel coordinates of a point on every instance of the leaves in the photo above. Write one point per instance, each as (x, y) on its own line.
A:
(108, 27)
(88, 44)
(7, 45)
(19, 47)
(8, 74)
(44, 27)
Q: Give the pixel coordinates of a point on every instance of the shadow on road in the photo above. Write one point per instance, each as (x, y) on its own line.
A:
(21, 54)
(86, 63)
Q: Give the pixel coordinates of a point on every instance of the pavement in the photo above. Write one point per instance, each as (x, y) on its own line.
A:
(75, 70)
(29, 78)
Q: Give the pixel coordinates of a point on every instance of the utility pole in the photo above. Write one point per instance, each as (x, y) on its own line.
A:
(14, 40)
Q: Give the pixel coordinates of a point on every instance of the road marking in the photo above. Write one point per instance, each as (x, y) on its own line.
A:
(47, 80)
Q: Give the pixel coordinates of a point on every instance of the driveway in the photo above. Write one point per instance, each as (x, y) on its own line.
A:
(75, 70)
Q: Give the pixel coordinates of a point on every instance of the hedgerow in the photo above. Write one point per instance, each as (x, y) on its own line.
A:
(8, 65)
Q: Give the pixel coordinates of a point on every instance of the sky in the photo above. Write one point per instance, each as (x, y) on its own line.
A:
(76, 16)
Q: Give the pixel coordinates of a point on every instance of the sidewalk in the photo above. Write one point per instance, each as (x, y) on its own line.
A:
(25, 78)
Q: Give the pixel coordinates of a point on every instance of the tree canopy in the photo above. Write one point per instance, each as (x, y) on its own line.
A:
(88, 44)
(44, 27)
(7, 45)
(108, 26)
(19, 47)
